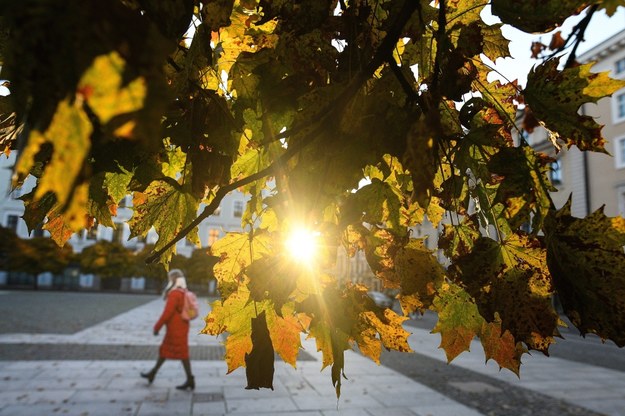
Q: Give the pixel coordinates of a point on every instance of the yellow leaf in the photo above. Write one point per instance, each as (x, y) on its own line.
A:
(69, 133)
(102, 86)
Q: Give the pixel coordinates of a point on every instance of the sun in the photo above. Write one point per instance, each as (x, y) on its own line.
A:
(303, 245)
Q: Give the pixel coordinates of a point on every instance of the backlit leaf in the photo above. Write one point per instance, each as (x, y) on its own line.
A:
(458, 320)
(168, 208)
(236, 251)
(501, 347)
(555, 97)
(68, 133)
(106, 92)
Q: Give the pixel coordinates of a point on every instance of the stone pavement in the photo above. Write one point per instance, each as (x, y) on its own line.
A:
(113, 387)
(103, 385)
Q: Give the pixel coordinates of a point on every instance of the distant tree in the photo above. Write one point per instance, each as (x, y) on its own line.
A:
(199, 267)
(154, 271)
(33, 255)
(107, 259)
(8, 240)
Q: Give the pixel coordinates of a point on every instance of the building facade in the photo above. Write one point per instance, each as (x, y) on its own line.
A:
(606, 173)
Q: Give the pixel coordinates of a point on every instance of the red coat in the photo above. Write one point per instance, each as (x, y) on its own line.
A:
(176, 342)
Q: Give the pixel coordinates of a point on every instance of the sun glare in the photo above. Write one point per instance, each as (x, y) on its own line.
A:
(302, 245)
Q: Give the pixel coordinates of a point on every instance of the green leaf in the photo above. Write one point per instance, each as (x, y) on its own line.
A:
(458, 320)
(381, 203)
(117, 183)
(525, 186)
(168, 208)
(458, 240)
(100, 206)
(586, 258)
(555, 98)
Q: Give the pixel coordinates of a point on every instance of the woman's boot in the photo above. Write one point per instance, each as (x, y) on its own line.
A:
(152, 373)
(189, 384)
(149, 375)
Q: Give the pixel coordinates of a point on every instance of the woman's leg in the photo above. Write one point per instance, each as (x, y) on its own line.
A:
(152, 373)
(190, 383)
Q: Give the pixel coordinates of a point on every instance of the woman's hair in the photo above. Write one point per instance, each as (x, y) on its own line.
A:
(173, 274)
(175, 279)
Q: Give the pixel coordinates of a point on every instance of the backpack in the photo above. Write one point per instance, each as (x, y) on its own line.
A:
(190, 307)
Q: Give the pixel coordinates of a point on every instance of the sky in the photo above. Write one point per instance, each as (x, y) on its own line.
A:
(601, 27)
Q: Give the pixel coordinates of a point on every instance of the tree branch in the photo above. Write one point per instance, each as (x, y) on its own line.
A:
(412, 95)
(440, 37)
(580, 28)
(331, 113)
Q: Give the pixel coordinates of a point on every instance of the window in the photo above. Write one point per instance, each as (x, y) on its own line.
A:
(213, 236)
(12, 221)
(556, 173)
(618, 107)
(619, 66)
(238, 209)
(619, 152)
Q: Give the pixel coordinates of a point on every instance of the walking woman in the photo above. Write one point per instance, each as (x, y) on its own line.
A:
(175, 345)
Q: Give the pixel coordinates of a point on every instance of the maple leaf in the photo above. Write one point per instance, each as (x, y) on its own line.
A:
(557, 41)
(233, 315)
(499, 96)
(586, 259)
(166, 206)
(68, 132)
(458, 320)
(525, 186)
(555, 98)
(382, 203)
(458, 240)
(389, 327)
(501, 347)
(105, 91)
(420, 275)
(236, 251)
(64, 221)
(536, 15)
(35, 211)
(272, 278)
(509, 278)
